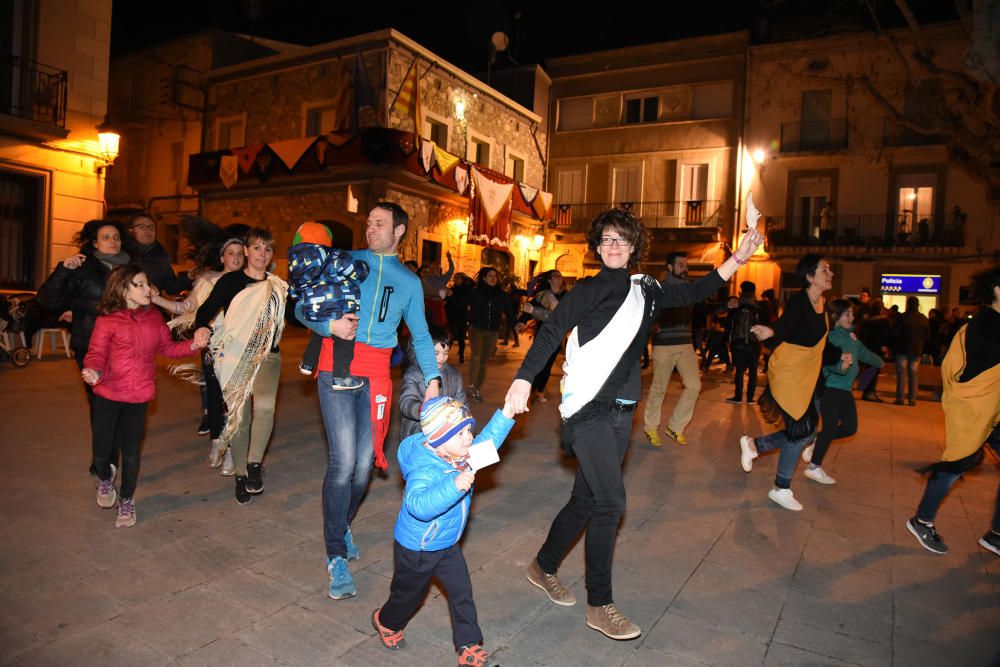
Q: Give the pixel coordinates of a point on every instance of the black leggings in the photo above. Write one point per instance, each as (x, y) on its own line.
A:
(118, 426)
(542, 379)
(840, 420)
(213, 391)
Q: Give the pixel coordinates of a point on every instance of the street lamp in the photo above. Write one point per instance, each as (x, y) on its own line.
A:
(109, 142)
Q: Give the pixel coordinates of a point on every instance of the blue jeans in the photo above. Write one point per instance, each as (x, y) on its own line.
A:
(347, 421)
(789, 456)
(911, 364)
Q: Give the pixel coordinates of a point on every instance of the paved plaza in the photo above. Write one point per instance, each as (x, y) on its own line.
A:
(711, 570)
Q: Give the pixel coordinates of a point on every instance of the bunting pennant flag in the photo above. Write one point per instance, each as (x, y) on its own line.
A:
(446, 161)
(247, 155)
(564, 216)
(489, 211)
(407, 102)
(364, 96)
(228, 170)
(543, 204)
(265, 164)
(427, 154)
(461, 177)
(528, 192)
(291, 150)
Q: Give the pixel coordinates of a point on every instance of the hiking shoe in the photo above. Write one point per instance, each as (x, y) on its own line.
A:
(747, 453)
(807, 452)
(785, 498)
(751, 400)
(991, 542)
(474, 655)
(347, 383)
(391, 639)
(654, 437)
(126, 513)
(203, 428)
(353, 553)
(106, 494)
(817, 474)
(733, 399)
(611, 622)
(227, 469)
(341, 582)
(927, 536)
(677, 436)
(242, 496)
(216, 453)
(255, 478)
(551, 585)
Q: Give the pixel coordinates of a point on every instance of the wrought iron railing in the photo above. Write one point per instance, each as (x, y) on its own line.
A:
(32, 90)
(654, 214)
(897, 135)
(867, 231)
(814, 136)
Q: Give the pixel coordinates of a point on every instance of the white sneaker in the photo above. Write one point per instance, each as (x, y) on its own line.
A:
(228, 469)
(807, 453)
(747, 453)
(817, 474)
(785, 498)
(217, 452)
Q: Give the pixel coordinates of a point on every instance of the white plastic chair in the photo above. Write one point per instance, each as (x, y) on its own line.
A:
(54, 344)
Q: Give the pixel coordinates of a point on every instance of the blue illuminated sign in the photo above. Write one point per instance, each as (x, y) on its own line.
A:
(906, 283)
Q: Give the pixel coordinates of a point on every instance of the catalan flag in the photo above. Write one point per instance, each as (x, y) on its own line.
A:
(407, 102)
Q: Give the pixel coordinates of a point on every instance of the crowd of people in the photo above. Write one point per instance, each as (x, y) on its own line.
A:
(357, 303)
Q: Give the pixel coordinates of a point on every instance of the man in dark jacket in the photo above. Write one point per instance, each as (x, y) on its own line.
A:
(486, 304)
(150, 254)
(745, 346)
(672, 348)
(911, 333)
(876, 335)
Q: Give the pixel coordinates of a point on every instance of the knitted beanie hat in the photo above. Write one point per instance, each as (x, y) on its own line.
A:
(443, 417)
(313, 232)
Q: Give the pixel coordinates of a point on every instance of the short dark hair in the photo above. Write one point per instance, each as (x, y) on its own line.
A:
(912, 304)
(768, 294)
(113, 298)
(983, 284)
(747, 287)
(674, 256)
(399, 216)
(625, 224)
(412, 264)
(865, 290)
(140, 214)
(807, 267)
(88, 234)
(836, 308)
(439, 335)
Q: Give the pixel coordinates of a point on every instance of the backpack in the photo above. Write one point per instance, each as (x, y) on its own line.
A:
(745, 317)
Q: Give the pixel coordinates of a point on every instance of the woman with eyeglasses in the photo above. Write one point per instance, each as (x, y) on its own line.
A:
(608, 318)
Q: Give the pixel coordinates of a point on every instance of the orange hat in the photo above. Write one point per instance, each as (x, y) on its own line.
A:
(313, 232)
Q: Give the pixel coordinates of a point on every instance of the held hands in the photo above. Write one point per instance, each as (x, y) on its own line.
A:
(748, 246)
(846, 359)
(761, 332)
(202, 337)
(433, 389)
(90, 376)
(346, 327)
(465, 479)
(520, 327)
(74, 262)
(508, 411)
(517, 397)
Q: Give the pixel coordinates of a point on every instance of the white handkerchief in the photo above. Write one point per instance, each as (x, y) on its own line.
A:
(483, 454)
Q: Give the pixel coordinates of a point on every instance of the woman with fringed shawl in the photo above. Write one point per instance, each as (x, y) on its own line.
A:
(245, 356)
(789, 401)
(971, 401)
(608, 317)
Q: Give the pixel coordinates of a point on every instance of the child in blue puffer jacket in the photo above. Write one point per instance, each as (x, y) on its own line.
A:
(837, 407)
(431, 522)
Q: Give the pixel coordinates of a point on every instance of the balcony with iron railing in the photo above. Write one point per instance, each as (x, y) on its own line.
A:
(876, 231)
(814, 136)
(895, 135)
(33, 91)
(698, 213)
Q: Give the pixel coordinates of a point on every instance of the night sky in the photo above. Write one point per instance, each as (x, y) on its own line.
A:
(460, 31)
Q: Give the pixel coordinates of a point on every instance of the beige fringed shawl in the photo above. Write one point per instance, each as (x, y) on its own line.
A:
(202, 288)
(252, 326)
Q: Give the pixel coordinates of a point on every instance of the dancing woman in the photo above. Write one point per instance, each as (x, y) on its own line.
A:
(608, 317)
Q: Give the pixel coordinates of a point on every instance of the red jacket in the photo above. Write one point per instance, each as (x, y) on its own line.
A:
(123, 350)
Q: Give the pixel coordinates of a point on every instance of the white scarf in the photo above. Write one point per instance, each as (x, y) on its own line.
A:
(588, 366)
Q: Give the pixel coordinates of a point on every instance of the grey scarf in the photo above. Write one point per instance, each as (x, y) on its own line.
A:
(112, 261)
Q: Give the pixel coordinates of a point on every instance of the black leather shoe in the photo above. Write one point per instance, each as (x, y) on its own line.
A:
(255, 478)
(872, 398)
(242, 496)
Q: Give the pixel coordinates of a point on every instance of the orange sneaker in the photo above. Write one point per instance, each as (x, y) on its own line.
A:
(473, 655)
(391, 639)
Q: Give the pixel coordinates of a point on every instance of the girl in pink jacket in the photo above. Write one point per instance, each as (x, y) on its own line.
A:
(120, 365)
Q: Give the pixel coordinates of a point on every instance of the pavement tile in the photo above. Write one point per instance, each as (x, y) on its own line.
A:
(908, 652)
(648, 657)
(258, 596)
(743, 609)
(101, 645)
(704, 643)
(841, 581)
(136, 586)
(783, 654)
(295, 631)
(371, 653)
(60, 610)
(846, 647)
(867, 619)
(225, 652)
(35, 572)
(14, 639)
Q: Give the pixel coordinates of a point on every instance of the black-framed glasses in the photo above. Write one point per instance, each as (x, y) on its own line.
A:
(613, 240)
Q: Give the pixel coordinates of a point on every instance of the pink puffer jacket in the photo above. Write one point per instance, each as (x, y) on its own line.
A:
(123, 350)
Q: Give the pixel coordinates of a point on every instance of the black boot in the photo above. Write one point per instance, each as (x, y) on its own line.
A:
(255, 478)
(242, 497)
(871, 396)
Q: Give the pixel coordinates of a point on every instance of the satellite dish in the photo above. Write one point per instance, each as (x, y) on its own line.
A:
(500, 41)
